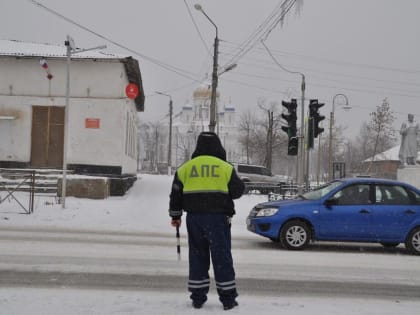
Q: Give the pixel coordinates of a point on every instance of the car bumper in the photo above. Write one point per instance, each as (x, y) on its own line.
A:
(261, 226)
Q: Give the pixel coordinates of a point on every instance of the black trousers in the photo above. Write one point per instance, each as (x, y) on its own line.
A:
(209, 237)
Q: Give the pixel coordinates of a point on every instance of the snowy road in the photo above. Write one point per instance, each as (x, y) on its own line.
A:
(51, 257)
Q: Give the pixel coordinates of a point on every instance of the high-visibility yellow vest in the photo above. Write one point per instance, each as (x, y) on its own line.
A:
(205, 173)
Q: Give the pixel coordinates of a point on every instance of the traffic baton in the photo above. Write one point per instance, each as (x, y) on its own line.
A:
(178, 243)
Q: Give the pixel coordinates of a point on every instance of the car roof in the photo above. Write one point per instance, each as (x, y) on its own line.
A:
(244, 164)
(368, 180)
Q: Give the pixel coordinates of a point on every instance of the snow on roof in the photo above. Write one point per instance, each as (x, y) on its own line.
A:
(26, 49)
(18, 48)
(388, 155)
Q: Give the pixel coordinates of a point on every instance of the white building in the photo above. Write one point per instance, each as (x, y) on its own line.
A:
(102, 120)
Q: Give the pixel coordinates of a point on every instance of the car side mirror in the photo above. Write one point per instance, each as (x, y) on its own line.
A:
(331, 202)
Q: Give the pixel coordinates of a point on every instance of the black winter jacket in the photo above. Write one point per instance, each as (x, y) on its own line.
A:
(208, 143)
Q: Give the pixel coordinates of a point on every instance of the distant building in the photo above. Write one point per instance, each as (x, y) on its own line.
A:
(385, 164)
(102, 120)
(194, 118)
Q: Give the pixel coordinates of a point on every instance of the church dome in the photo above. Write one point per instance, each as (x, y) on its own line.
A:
(204, 91)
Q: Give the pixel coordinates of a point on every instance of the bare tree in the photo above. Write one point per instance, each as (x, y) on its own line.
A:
(152, 136)
(247, 126)
(253, 138)
(264, 141)
(380, 130)
(271, 127)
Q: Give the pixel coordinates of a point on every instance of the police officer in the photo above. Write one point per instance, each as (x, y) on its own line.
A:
(205, 187)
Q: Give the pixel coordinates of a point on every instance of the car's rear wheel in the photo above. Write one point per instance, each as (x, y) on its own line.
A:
(295, 235)
(390, 245)
(413, 241)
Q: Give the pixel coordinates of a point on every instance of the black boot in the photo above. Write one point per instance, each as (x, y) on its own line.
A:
(197, 304)
(230, 305)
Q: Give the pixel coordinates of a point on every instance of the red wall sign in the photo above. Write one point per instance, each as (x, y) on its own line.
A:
(132, 90)
(92, 123)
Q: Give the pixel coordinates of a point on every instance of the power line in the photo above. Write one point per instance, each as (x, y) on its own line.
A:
(409, 93)
(157, 62)
(174, 89)
(354, 89)
(401, 92)
(307, 70)
(197, 29)
(263, 30)
(337, 62)
(353, 64)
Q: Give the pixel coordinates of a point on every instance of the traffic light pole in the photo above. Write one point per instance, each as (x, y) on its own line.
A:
(307, 185)
(301, 165)
(313, 131)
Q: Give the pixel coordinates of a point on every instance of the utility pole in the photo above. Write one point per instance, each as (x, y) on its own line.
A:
(302, 137)
(70, 49)
(170, 138)
(214, 81)
(270, 139)
(170, 132)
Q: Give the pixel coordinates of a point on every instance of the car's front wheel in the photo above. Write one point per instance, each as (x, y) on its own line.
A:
(413, 241)
(295, 235)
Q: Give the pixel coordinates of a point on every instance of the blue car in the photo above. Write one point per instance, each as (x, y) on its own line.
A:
(354, 209)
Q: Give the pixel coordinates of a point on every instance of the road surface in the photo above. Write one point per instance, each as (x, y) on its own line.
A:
(50, 257)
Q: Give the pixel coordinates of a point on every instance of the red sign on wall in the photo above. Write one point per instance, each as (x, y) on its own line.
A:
(92, 123)
(132, 90)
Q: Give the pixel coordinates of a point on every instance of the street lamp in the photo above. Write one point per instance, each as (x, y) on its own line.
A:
(170, 132)
(228, 68)
(346, 106)
(71, 49)
(212, 123)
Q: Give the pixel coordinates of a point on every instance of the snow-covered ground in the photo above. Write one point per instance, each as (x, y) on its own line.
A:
(14, 301)
(144, 209)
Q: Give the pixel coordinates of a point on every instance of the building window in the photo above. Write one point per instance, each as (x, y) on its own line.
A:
(130, 137)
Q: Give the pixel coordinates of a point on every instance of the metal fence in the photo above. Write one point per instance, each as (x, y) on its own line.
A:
(282, 189)
(13, 181)
(276, 192)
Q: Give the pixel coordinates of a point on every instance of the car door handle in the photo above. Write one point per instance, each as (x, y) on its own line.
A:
(409, 211)
(364, 211)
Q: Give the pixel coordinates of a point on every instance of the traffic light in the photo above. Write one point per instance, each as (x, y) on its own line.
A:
(290, 129)
(315, 118)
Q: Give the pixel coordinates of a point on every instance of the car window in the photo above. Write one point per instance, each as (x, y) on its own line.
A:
(257, 170)
(414, 197)
(321, 191)
(394, 195)
(243, 169)
(252, 169)
(265, 172)
(353, 195)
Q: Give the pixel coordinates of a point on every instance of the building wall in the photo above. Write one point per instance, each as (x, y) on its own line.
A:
(15, 134)
(88, 78)
(97, 90)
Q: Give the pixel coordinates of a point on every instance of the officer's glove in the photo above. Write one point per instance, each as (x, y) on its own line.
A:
(176, 222)
(229, 220)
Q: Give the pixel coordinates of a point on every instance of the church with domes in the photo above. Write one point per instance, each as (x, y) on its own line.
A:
(193, 118)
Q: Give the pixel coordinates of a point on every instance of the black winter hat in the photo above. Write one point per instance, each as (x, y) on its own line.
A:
(208, 143)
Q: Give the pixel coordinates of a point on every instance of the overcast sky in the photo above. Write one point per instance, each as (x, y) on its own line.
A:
(366, 49)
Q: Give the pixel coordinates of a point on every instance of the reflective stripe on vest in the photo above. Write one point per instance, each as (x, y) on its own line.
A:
(205, 174)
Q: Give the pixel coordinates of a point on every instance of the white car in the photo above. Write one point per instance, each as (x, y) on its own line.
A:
(257, 174)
